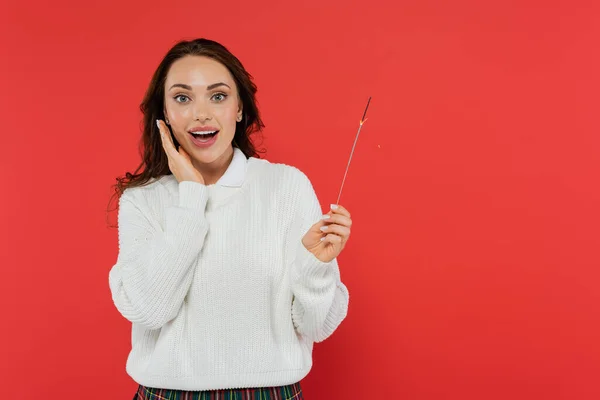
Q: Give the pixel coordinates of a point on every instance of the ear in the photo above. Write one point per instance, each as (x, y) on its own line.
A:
(240, 111)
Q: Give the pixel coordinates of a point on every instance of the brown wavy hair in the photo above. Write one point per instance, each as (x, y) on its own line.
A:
(154, 160)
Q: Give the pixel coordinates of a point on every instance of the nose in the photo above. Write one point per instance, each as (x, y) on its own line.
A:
(201, 111)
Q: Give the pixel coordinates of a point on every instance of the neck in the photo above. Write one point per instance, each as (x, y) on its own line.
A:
(213, 171)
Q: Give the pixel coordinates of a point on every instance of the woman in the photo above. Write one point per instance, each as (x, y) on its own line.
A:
(226, 267)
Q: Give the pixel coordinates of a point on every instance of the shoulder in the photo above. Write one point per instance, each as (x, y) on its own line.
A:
(287, 183)
(152, 191)
(291, 186)
(279, 174)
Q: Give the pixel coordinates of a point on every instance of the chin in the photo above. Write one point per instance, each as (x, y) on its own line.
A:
(210, 154)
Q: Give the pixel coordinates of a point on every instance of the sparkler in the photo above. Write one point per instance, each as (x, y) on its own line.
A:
(362, 121)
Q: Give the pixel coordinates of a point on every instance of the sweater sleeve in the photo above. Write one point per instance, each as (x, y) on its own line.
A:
(320, 299)
(154, 267)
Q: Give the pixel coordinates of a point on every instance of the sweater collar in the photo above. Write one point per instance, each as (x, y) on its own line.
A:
(236, 172)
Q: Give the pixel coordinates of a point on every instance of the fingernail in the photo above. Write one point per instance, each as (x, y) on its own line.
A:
(323, 238)
(326, 216)
(324, 228)
(157, 124)
(334, 206)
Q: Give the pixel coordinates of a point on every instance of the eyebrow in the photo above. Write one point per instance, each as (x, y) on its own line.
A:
(209, 87)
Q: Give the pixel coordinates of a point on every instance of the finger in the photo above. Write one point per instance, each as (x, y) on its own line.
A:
(342, 231)
(165, 137)
(184, 153)
(163, 140)
(337, 209)
(337, 219)
(331, 238)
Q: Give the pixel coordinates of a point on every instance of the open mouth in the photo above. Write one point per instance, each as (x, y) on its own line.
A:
(204, 136)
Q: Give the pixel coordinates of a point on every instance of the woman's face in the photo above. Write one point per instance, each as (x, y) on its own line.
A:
(201, 97)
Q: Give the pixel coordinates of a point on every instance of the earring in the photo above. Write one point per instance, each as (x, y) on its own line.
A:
(167, 121)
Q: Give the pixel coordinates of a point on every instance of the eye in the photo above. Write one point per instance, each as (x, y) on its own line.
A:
(219, 97)
(180, 96)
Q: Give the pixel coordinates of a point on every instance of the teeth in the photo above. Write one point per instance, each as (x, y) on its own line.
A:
(203, 133)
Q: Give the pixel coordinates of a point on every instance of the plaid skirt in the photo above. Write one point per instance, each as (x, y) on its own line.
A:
(288, 392)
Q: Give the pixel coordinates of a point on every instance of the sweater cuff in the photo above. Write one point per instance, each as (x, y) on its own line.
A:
(192, 195)
(309, 268)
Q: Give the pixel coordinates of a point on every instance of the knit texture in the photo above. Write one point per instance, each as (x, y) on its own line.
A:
(220, 290)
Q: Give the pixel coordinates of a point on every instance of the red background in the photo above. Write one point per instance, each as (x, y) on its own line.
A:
(474, 189)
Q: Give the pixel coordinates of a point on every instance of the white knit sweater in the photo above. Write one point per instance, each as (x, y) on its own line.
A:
(219, 288)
